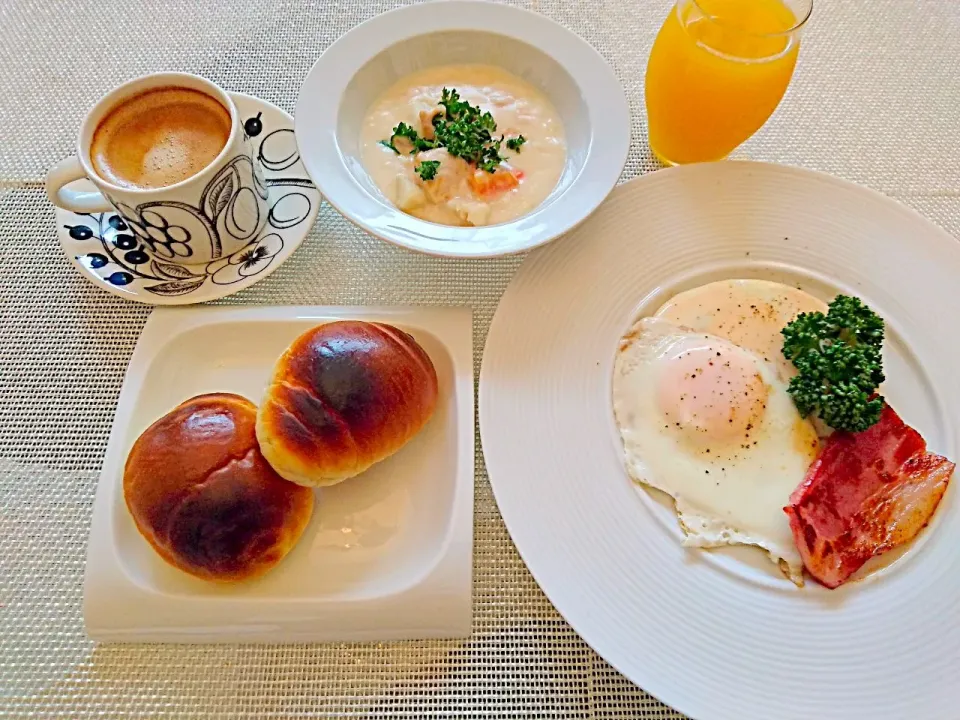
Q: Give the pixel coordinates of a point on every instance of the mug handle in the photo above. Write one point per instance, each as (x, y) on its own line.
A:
(78, 201)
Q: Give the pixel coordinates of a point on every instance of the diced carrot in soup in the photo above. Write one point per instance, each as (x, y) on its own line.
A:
(487, 185)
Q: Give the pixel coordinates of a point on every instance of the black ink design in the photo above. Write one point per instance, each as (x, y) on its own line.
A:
(79, 232)
(177, 287)
(289, 210)
(119, 278)
(123, 241)
(278, 150)
(97, 260)
(253, 126)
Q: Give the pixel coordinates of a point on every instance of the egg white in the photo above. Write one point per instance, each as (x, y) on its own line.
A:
(748, 313)
(728, 491)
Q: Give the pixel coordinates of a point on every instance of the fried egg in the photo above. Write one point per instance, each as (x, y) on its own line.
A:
(711, 424)
(748, 313)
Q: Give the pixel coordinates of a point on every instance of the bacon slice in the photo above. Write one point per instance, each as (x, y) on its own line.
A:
(865, 494)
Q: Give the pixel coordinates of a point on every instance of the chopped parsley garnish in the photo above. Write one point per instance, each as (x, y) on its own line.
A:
(463, 130)
(427, 169)
(515, 143)
(405, 131)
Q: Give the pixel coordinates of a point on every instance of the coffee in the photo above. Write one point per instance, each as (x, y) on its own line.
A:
(159, 138)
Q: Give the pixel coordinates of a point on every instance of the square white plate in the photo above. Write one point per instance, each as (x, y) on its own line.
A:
(386, 556)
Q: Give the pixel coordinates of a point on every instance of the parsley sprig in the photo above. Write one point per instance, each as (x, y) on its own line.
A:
(463, 130)
(515, 143)
(427, 169)
(466, 132)
(405, 131)
(839, 361)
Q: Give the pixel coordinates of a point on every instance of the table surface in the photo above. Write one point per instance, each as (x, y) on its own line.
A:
(875, 100)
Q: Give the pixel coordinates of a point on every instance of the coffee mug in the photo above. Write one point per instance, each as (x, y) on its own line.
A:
(209, 215)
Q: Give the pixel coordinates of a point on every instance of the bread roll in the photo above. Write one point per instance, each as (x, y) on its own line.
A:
(344, 396)
(202, 495)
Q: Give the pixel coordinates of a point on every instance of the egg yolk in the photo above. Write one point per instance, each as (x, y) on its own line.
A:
(712, 393)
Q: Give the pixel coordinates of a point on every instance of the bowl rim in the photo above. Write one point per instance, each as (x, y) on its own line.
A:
(331, 75)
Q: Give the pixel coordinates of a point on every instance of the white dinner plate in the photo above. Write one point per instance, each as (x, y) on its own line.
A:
(717, 634)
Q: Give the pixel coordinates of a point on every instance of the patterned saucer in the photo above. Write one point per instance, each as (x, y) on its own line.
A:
(111, 256)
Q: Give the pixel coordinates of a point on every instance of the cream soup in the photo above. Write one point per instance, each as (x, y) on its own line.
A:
(460, 193)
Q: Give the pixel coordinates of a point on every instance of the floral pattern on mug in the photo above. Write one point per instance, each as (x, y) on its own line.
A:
(249, 261)
(166, 229)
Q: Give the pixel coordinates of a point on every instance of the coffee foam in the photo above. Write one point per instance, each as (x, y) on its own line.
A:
(159, 138)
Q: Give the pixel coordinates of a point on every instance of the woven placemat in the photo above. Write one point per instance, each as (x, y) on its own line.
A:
(874, 100)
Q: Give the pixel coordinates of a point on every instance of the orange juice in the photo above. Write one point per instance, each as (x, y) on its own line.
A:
(717, 71)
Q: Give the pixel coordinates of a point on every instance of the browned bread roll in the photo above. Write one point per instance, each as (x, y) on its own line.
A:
(344, 396)
(202, 495)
